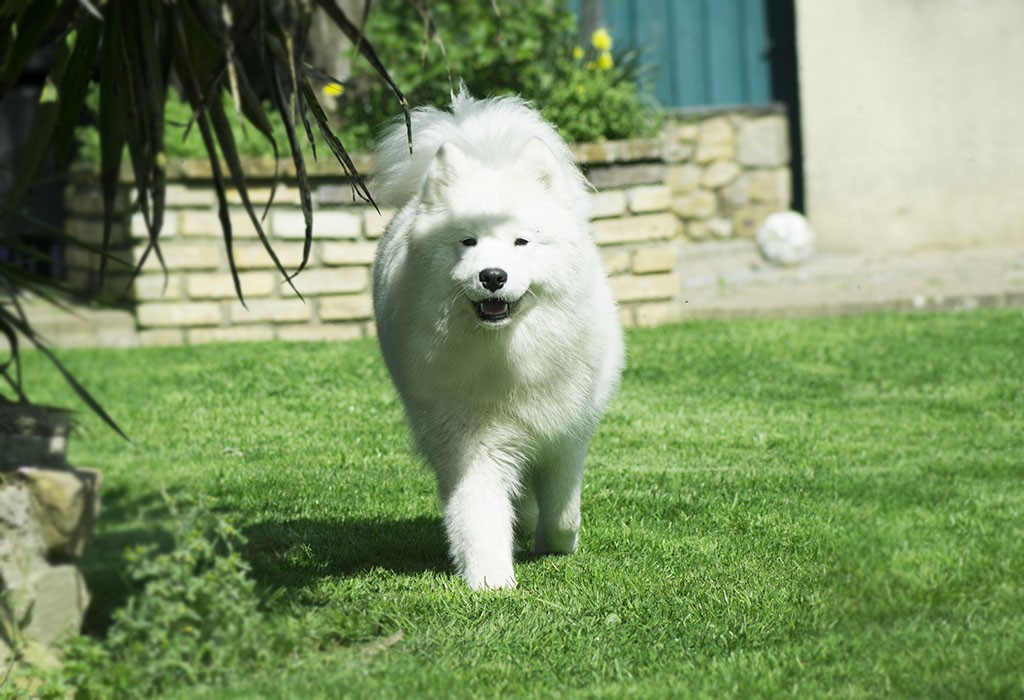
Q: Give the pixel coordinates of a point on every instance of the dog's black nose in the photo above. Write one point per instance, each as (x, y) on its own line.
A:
(493, 278)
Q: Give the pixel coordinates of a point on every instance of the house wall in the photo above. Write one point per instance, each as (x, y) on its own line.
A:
(703, 183)
(912, 128)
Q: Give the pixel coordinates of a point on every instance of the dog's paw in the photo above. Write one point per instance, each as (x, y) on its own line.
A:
(490, 580)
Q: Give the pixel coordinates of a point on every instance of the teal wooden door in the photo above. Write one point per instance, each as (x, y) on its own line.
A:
(701, 52)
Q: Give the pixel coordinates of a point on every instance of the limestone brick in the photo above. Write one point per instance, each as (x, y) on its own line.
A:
(770, 187)
(720, 173)
(683, 178)
(657, 313)
(746, 221)
(220, 285)
(764, 142)
(643, 227)
(699, 204)
(654, 259)
(180, 255)
(347, 253)
(230, 334)
(163, 314)
(348, 307)
(607, 204)
(649, 198)
(332, 280)
(252, 255)
(151, 337)
(287, 310)
(154, 286)
(374, 224)
(321, 332)
(629, 288)
(616, 260)
(290, 223)
(717, 141)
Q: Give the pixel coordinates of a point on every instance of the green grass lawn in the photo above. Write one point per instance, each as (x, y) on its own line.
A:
(821, 507)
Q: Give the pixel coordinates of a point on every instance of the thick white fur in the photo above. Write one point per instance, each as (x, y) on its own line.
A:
(502, 411)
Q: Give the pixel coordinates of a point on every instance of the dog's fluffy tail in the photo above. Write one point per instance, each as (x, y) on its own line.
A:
(493, 131)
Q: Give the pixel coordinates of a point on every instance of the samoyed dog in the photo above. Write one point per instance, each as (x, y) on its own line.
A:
(496, 322)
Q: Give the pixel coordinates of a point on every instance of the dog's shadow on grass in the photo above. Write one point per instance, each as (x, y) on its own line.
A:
(294, 553)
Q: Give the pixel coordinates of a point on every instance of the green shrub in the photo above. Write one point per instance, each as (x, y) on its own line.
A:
(195, 618)
(532, 49)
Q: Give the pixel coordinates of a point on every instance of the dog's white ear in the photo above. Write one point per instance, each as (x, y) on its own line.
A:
(540, 162)
(448, 164)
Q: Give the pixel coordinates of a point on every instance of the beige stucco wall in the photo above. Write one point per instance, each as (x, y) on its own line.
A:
(913, 122)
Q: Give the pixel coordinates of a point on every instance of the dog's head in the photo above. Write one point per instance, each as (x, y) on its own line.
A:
(503, 236)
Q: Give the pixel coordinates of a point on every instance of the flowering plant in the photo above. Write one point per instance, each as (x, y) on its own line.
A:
(534, 51)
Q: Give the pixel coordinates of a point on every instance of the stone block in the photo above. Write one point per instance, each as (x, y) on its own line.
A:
(271, 311)
(720, 227)
(720, 173)
(764, 142)
(220, 285)
(616, 260)
(347, 253)
(181, 195)
(59, 600)
(155, 286)
(230, 334)
(649, 198)
(771, 187)
(737, 193)
(746, 221)
(65, 504)
(683, 178)
(699, 204)
(321, 332)
(253, 256)
(161, 337)
(658, 313)
(632, 229)
(628, 288)
(607, 204)
(716, 141)
(611, 177)
(348, 307)
(284, 195)
(375, 223)
(654, 259)
(181, 255)
(175, 314)
(332, 280)
(290, 223)
(169, 228)
(200, 223)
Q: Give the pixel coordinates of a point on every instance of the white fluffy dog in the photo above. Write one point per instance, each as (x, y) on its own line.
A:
(496, 322)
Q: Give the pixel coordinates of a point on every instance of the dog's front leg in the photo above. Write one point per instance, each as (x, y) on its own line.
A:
(478, 517)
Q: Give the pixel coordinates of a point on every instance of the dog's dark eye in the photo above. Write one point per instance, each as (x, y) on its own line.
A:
(469, 242)
(521, 241)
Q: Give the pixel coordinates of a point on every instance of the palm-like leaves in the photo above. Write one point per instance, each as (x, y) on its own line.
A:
(138, 49)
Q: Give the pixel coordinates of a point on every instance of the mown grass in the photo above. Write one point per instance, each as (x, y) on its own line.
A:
(821, 507)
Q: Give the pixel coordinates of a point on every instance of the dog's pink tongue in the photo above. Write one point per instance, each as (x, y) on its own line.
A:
(494, 307)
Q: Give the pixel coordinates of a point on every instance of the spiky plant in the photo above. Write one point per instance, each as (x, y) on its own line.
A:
(252, 50)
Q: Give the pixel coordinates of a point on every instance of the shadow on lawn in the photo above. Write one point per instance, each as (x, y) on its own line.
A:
(294, 553)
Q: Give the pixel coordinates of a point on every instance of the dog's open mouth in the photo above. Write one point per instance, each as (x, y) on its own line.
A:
(494, 310)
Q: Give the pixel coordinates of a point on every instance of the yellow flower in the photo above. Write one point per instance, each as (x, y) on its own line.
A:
(601, 40)
(577, 53)
(333, 89)
(604, 60)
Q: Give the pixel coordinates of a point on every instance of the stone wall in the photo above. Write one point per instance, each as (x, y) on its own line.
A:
(657, 202)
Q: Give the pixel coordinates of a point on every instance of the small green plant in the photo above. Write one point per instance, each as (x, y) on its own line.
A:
(196, 617)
